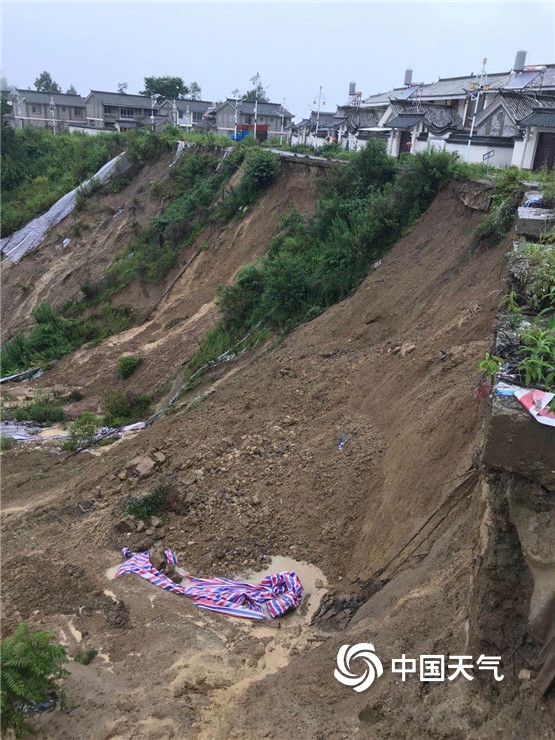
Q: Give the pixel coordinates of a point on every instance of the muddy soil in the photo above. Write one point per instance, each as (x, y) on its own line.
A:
(332, 447)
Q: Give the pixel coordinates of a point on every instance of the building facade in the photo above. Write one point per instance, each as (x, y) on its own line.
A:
(271, 118)
(54, 111)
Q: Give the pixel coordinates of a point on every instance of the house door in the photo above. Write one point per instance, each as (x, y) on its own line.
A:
(545, 151)
(405, 142)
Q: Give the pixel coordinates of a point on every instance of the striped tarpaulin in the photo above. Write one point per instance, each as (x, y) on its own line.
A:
(276, 594)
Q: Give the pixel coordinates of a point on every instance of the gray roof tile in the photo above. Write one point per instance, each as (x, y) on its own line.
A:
(264, 109)
(41, 98)
(540, 117)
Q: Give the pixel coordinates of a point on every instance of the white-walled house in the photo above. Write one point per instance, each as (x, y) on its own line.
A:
(475, 116)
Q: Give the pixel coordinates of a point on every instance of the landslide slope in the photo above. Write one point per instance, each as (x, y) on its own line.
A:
(256, 471)
(179, 309)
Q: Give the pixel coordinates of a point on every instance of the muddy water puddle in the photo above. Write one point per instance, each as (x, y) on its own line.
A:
(213, 670)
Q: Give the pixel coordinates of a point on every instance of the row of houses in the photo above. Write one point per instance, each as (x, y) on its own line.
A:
(102, 111)
(506, 118)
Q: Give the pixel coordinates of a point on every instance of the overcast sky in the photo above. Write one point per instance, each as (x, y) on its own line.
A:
(295, 46)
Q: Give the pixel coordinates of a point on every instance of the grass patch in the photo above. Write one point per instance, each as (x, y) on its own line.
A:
(151, 504)
(85, 657)
(127, 366)
(54, 336)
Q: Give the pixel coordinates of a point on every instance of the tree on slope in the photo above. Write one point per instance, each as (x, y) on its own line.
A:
(45, 83)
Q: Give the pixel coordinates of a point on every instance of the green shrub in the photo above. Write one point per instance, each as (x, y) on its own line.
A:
(31, 662)
(121, 408)
(151, 504)
(83, 431)
(127, 366)
(261, 170)
(41, 409)
(496, 225)
(6, 442)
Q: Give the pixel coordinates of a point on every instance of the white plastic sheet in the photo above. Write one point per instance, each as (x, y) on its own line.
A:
(14, 247)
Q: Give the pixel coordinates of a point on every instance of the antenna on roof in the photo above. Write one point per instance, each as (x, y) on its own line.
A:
(352, 89)
(408, 78)
(520, 61)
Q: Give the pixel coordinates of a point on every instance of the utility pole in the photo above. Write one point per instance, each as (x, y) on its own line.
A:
(480, 87)
(152, 111)
(319, 99)
(256, 82)
(175, 114)
(282, 118)
(18, 100)
(235, 94)
(52, 107)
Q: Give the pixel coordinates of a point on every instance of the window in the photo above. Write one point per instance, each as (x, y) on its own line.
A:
(126, 113)
(34, 108)
(63, 110)
(78, 112)
(108, 109)
(197, 117)
(248, 119)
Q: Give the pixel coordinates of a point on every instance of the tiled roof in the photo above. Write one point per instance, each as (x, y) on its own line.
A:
(438, 118)
(264, 109)
(325, 120)
(123, 99)
(453, 87)
(544, 117)
(405, 120)
(358, 118)
(461, 137)
(456, 87)
(195, 106)
(384, 98)
(516, 104)
(41, 98)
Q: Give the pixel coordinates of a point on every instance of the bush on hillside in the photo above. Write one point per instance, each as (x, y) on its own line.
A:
(127, 366)
(364, 207)
(6, 442)
(83, 431)
(151, 504)
(54, 336)
(121, 408)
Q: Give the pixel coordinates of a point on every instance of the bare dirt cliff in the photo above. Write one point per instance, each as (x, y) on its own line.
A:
(348, 446)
